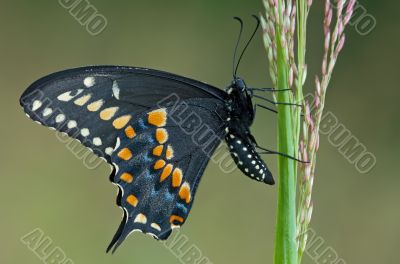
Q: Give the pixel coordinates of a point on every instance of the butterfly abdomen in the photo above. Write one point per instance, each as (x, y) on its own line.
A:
(246, 157)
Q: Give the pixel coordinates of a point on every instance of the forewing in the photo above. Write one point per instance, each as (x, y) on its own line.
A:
(93, 104)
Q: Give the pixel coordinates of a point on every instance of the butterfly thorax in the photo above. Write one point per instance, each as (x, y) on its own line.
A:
(240, 104)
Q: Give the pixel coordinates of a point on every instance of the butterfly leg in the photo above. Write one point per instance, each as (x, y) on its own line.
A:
(268, 89)
(275, 103)
(267, 151)
(265, 107)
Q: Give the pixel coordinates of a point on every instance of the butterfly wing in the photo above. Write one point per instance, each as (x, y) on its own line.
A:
(157, 129)
(91, 104)
(159, 166)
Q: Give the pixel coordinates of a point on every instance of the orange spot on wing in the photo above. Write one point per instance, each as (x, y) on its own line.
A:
(126, 177)
(166, 172)
(125, 154)
(158, 150)
(121, 121)
(184, 192)
(161, 135)
(169, 153)
(176, 218)
(108, 113)
(158, 117)
(177, 177)
(130, 132)
(132, 200)
(159, 164)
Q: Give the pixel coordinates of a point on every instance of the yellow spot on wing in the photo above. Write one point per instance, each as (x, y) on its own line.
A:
(176, 177)
(121, 121)
(159, 164)
(161, 135)
(184, 192)
(175, 218)
(130, 132)
(140, 218)
(170, 153)
(132, 200)
(82, 100)
(158, 117)
(166, 172)
(126, 177)
(108, 113)
(125, 154)
(95, 106)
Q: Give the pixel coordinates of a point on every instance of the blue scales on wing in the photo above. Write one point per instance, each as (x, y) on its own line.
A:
(158, 167)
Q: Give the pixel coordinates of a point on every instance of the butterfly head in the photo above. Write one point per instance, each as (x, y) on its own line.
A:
(238, 89)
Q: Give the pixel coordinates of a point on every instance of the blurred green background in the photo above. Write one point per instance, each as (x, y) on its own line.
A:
(43, 185)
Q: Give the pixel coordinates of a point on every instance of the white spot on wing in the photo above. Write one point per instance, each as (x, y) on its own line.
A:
(85, 132)
(72, 124)
(60, 118)
(117, 144)
(65, 97)
(47, 111)
(89, 81)
(109, 151)
(155, 226)
(36, 105)
(116, 172)
(115, 90)
(140, 218)
(97, 141)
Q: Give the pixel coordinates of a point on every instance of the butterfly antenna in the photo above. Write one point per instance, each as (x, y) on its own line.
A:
(247, 44)
(237, 45)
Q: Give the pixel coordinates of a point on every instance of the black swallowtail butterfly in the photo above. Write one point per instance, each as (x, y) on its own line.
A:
(156, 129)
